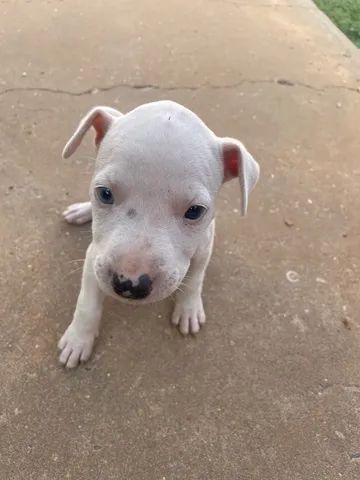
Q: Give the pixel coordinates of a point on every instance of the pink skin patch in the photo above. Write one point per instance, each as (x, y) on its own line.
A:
(99, 126)
(231, 162)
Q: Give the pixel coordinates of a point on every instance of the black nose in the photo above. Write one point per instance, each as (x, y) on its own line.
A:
(126, 288)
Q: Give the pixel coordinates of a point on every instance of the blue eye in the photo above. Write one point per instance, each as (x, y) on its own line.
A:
(195, 212)
(104, 195)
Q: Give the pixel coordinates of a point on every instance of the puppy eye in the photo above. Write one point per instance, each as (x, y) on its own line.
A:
(195, 212)
(105, 195)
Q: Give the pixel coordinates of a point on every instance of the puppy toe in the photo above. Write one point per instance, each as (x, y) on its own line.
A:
(175, 319)
(194, 325)
(201, 317)
(85, 354)
(65, 354)
(184, 325)
(74, 358)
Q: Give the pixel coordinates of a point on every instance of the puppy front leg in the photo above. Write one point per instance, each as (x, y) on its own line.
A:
(77, 342)
(189, 312)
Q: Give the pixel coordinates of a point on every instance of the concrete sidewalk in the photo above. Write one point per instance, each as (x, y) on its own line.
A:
(270, 389)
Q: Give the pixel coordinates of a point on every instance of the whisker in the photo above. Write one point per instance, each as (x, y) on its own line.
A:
(77, 260)
(73, 271)
(180, 290)
(87, 157)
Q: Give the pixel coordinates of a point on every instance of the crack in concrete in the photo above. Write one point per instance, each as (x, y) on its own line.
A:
(94, 90)
(289, 83)
(88, 91)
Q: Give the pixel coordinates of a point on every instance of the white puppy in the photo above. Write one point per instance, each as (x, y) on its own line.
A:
(158, 170)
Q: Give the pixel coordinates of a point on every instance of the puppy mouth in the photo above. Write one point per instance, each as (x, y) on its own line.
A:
(154, 297)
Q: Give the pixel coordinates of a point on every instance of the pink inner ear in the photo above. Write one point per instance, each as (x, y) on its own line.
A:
(231, 161)
(100, 128)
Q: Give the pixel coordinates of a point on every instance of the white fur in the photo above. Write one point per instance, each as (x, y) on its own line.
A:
(78, 213)
(158, 160)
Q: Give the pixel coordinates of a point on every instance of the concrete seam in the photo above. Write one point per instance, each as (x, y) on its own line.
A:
(94, 90)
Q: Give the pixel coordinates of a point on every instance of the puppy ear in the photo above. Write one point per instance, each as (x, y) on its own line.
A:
(101, 118)
(239, 163)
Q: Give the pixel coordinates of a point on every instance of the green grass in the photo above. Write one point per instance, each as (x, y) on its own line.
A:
(345, 14)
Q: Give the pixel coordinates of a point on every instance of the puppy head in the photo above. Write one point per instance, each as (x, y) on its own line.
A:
(158, 170)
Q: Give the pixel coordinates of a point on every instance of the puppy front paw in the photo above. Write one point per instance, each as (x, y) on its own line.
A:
(189, 314)
(75, 346)
(78, 213)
